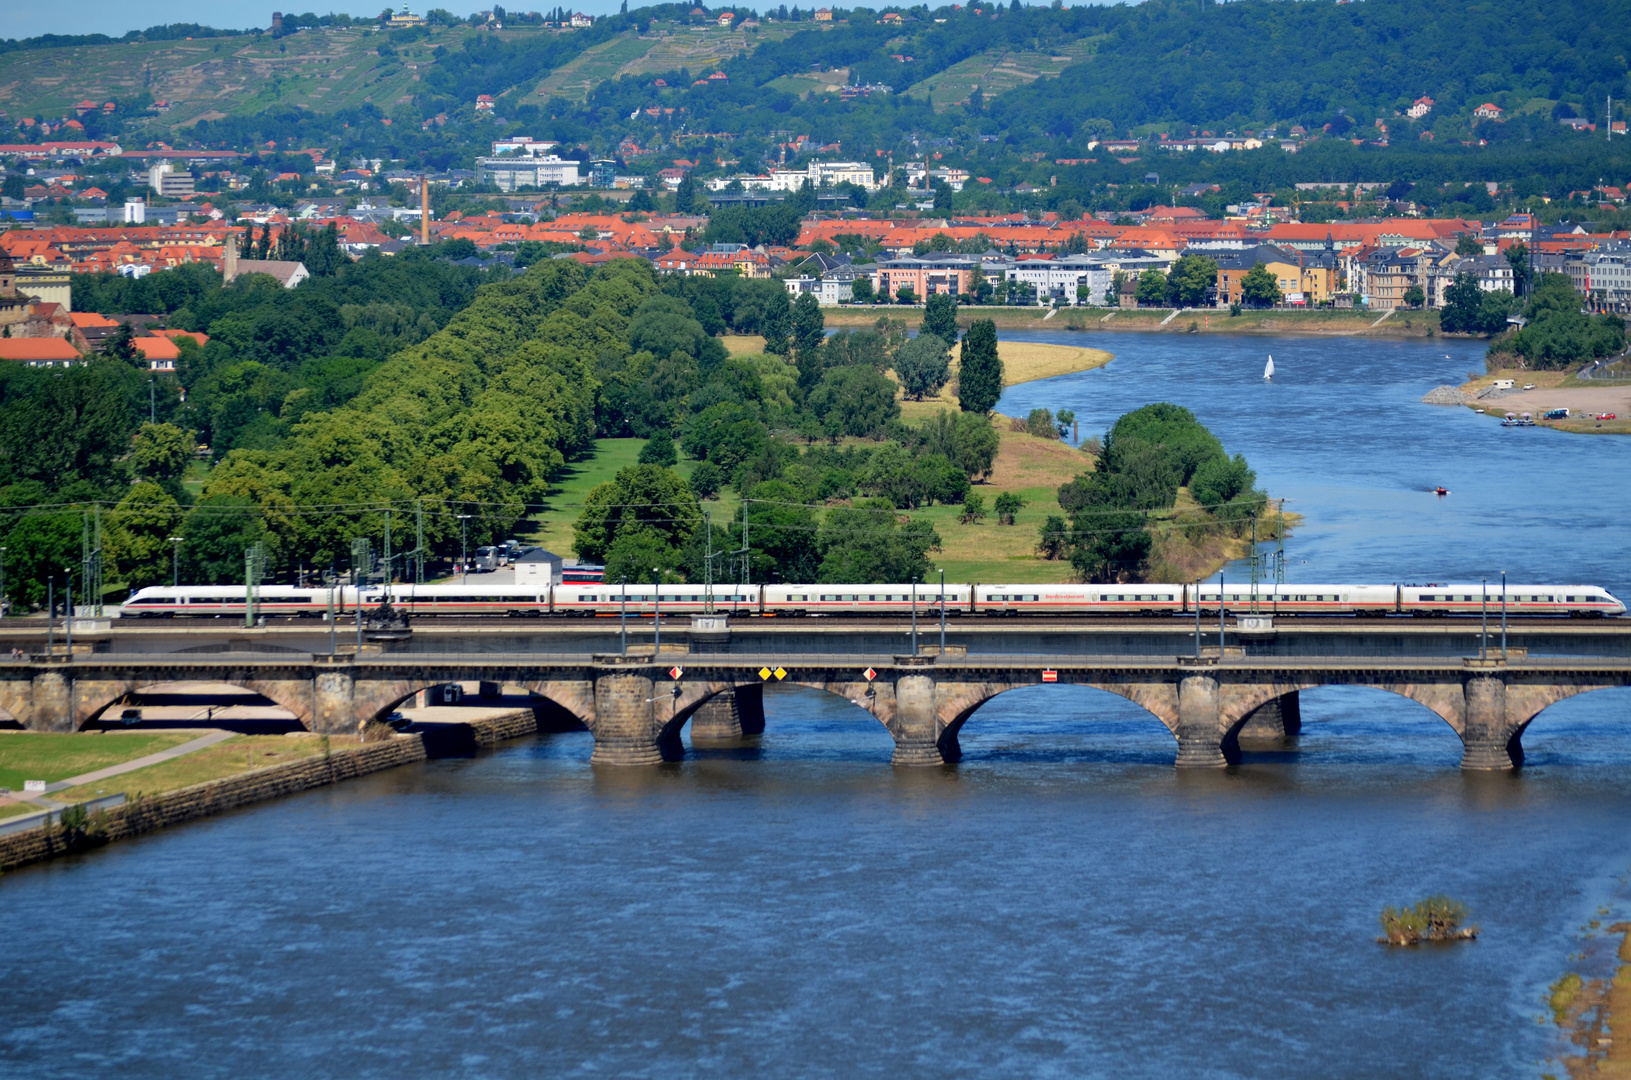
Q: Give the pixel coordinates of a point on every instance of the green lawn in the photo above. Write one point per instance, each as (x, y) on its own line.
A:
(51, 756)
(579, 478)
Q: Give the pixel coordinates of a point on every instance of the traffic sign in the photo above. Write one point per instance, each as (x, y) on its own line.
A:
(1050, 676)
(764, 673)
(781, 673)
(870, 674)
(675, 672)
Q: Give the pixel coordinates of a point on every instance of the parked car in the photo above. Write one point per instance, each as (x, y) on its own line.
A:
(1605, 416)
(485, 561)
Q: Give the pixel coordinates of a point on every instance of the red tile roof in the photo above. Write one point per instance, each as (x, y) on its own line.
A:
(47, 348)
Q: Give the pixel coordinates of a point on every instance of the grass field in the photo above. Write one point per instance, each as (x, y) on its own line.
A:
(51, 756)
(998, 72)
(236, 755)
(1032, 468)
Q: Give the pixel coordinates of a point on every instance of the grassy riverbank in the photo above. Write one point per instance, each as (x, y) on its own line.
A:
(1208, 321)
(233, 757)
(53, 756)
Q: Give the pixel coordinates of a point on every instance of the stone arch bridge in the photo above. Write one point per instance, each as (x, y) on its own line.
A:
(635, 708)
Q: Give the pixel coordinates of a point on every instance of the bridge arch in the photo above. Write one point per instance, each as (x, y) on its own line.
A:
(91, 698)
(1522, 710)
(963, 702)
(688, 705)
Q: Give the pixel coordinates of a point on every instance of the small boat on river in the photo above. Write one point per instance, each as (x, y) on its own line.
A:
(1268, 370)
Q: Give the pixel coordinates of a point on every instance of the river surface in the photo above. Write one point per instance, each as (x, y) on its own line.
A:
(1062, 904)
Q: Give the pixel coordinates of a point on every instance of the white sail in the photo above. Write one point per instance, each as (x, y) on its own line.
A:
(1268, 370)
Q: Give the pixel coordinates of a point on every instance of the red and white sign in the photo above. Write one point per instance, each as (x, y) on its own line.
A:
(1050, 676)
(870, 674)
(675, 673)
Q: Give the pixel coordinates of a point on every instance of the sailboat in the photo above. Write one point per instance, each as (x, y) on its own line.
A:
(1268, 370)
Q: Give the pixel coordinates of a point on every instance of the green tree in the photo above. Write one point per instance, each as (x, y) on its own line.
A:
(1008, 506)
(861, 290)
(1468, 245)
(979, 376)
(1258, 287)
(782, 532)
(41, 546)
(865, 543)
(1152, 289)
(688, 197)
(706, 480)
(940, 318)
(1189, 280)
(776, 323)
(137, 537)
(809, 334)
(1039, 422)
(854, 401)
(1463, 302)
(215, 534)
(973, 509)
(1109, 545)
(967, 440)
(645, 501)
(923, 365)
(1054, 538)
(161, 451)
(1414, 297)
(905, 295)
(1517, 256)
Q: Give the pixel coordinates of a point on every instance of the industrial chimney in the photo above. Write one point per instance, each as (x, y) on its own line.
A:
(424, 210)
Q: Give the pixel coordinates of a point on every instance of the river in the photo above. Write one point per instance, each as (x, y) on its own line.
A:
(1063, 903)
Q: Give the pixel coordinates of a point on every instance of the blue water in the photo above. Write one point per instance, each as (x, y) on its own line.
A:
(1063, 903)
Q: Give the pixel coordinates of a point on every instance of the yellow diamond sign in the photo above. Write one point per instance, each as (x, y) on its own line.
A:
(764, 673)
(781, 673)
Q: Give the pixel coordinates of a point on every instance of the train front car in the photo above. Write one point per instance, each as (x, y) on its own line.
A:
(1518, 601)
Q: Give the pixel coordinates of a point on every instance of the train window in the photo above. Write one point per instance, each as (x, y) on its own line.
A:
(1568, 599)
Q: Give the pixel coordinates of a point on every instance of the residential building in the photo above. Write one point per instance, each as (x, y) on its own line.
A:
(1058, 281)
(167, 182)
(581, 21)
(1420, 107)
(1603, 278)
(40, 352)
(1285, 266)
(926, 276)
(1488, 111)
(514, 173)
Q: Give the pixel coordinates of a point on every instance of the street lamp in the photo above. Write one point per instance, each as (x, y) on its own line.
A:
(464, 562)
(175, 561)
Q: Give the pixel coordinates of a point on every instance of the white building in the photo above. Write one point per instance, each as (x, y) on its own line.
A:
(824, 173)
(538, 567)
(165, 181)
(749, 183)
(1060, 279)
(512, 173)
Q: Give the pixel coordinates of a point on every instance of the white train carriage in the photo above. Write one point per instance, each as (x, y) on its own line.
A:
(1296, 599)
(611, 599)
(468, 598)
(864, 599)
(1079, 599)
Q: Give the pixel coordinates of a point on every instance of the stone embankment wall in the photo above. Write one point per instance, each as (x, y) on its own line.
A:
(275, 781)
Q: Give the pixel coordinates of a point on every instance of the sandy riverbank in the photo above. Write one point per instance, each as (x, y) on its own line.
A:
(1553, 391)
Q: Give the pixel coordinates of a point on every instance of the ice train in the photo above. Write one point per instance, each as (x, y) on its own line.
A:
(418, 601)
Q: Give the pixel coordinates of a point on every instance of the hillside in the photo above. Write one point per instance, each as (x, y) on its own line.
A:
(998, 87)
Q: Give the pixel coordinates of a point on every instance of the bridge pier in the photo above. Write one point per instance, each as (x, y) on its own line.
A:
(1201, 738)
(334, 702)
(917, 728)
(1276, 719)
(626, 729)
(52, 702)
(1489, 740)
(730, 715)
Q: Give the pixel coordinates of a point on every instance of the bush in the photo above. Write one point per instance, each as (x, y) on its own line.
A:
(659, 450)
(1040, 424)
(1054, 538)
(1435, 918)
(1007, 507)
(973, 508)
